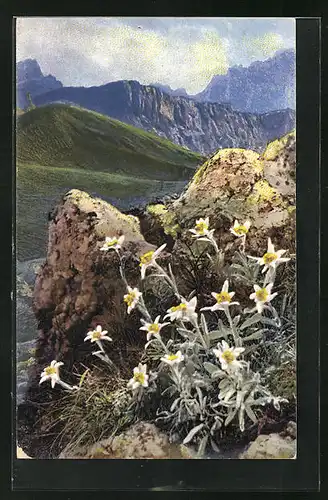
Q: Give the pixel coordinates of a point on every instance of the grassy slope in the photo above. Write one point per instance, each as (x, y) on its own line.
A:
(61, 147)
(67, 136)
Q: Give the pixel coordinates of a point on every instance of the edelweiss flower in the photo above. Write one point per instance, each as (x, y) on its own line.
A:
(240, 229)
(152, 328)
(97, 334)
(223, 299)
(185, 310)
(262, 296)
(148, 259)
(227, 355)
(132, 298)
(270, 258)
(51, 372)
(201, 228)
(112, 243)
(173, 359)
(140, 377)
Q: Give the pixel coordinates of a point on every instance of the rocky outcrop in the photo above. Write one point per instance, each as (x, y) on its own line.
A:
(140, 441)
(241, 184)
(200, 126)
(271, 446)
(79, 286)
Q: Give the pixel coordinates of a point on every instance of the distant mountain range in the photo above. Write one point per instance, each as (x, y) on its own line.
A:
(30, 79)
(197, 123)
(261, 87)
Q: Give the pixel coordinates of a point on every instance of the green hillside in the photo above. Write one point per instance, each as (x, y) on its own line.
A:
(66, 136)
(62, 147)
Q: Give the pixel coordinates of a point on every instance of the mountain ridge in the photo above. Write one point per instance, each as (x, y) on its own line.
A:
(199, 126)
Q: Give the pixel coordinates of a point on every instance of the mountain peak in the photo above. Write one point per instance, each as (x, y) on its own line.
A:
(28, 69)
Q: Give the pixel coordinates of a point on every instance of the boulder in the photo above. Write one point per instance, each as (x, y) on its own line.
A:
(79, 286)
(242, 184)
(140, 441)
(271, 446)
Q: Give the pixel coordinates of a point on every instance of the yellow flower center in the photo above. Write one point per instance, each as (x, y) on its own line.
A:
(269, 257)
(130, 298)
(139, 377)
(241, 229)
(172, 357)
(223, 297)
(180, 307)
(96, 335)
(112, 243)
(50, 370)
(262, 294)
(146, 258)
(228, 356)
(153, 328)
(201, 227)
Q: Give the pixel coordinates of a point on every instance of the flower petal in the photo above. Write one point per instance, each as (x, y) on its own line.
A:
(225, 286)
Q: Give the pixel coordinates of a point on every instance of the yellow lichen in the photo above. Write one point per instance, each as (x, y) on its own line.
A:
(274, 148)
(166, 218)
(263, 192)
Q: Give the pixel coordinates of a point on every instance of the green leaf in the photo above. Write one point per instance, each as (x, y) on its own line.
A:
(192, 433)
(216, 334)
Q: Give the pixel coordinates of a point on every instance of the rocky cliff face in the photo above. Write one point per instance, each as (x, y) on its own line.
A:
(29, 78)
(200, 126)
(261, 87)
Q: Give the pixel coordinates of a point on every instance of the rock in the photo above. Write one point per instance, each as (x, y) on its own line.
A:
(79, 286)
(20, 453)
(241, 184)
(271, 446)
(141, 441)
(291, 429)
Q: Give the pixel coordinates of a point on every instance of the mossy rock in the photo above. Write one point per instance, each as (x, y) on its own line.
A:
(283, 381)
(166, 218)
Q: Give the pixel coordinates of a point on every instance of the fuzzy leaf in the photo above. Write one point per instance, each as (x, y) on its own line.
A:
(210, 368)
(218, 374)
(192, 433)
(174, 404)
(216, 334)
(202, 446)
(250, 321)
(250, 413)
(231, 415)
(204, 324)
(258, 334)
(241, 419)
(236, 320)
(214, 446)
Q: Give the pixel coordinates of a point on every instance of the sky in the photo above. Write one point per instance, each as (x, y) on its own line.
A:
(179, 52)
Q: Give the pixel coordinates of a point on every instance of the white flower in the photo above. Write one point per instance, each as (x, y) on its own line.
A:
(223, 299)
(240, 229)
(140, 377)
(112, 243)
(148, 259)
(201, 228)
(51, 372)
(184, 311)
(173, 359)
(152, 328)
(270, 258)
(262, 296)
(227, 355)
(132, 298)
(97, 334)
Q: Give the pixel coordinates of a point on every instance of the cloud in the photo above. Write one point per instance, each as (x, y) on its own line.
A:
(82, 51)
(180, 52)
(263, 47)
